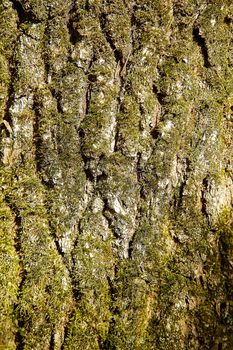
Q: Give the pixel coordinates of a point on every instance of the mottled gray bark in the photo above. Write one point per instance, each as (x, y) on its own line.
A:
(116, 176)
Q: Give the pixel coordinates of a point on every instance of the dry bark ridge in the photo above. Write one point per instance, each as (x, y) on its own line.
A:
(116, 176)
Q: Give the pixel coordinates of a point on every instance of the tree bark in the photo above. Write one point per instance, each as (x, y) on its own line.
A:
(116, 176)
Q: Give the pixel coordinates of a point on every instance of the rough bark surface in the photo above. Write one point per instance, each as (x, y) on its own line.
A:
(116, 181)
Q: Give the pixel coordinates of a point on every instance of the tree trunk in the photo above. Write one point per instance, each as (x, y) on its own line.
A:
(116, 182)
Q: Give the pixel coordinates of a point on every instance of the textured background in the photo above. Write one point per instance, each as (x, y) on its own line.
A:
(116, 182)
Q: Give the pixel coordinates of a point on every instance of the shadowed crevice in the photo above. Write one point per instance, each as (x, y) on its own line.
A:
(160, 96)
(203, 198)
(19, 340)
(52, 341)
(201, 42)
(23, 15)
(75, 37)
(117, 53)
(57, 95)
(227, 20)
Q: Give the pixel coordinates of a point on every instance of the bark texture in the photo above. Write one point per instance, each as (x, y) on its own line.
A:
(116, 176)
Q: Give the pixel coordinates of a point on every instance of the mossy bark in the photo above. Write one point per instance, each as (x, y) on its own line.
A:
(116, 176)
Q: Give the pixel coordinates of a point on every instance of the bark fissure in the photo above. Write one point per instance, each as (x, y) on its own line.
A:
(116, 52)
(23, 15)
(203, 199)
(200, 40)
(52, 342)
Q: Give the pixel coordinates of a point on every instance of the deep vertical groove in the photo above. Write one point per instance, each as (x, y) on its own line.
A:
(202, 44)
(23, 15)
(203, 198)
(52, 341)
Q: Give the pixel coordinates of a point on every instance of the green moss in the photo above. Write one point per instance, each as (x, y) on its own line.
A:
(9, 276)
(128, 121)
(8, 30)
(93, 265)
(44, 298)
(118, 27)
(121, 181)
(4, 84)
(97, 140)
(172, 289)
(224, 229)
